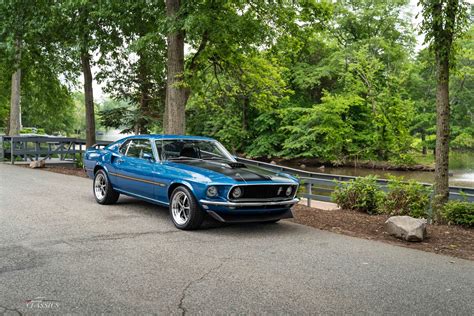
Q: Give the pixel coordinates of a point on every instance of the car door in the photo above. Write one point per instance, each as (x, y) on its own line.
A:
(135, 169)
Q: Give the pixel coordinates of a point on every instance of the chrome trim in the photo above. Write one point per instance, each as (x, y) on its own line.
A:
(287, 202)
(137, 179)
(141, 197)
(256, 184)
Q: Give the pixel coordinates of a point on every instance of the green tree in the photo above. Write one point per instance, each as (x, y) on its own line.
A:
(140, 81)
(443, 22)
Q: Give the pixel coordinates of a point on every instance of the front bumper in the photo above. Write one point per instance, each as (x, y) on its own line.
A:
(287, 203)
(242, 212)
(250, 218)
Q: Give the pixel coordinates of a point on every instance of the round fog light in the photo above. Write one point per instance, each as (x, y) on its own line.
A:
(288, 191)
(211, 191)
(236, 193)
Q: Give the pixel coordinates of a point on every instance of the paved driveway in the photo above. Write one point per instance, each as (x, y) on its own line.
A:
(58, 244)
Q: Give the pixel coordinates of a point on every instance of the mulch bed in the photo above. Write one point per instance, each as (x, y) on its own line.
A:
(442, 239)
(79, 172)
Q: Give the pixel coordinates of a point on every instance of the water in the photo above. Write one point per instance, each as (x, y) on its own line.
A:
(111, 135)
(461, 168)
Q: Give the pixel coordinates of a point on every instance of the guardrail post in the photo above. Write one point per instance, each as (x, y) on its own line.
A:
(308, 198)
(430, 208)
(2, 150)
(12, 152)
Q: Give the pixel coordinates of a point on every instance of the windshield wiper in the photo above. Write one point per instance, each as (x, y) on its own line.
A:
(214, 158)
(183, 158)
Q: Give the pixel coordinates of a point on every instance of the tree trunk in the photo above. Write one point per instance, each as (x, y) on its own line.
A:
(442, 132)
(175, 103)
(423, 143)
(15, 105)
(89, 99)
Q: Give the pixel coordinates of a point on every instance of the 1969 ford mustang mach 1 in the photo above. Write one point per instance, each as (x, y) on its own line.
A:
(192, 176)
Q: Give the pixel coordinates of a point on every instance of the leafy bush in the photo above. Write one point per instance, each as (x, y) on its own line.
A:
(33, 130)
(406, 198)
(464, 140)
(79, 161)
(360, 194)
(403, 159)
(459, 212)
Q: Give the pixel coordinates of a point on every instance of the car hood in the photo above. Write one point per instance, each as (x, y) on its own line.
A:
(235, 170)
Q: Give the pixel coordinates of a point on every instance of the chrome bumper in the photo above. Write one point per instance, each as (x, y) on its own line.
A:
(237, 204)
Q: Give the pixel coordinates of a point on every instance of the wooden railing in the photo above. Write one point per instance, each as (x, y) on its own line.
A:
(24, 148)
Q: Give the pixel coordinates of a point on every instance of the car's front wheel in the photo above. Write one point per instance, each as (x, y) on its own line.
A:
(103, 191)
(184, 209)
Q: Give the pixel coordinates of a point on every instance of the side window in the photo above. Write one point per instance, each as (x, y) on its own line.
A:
(159, 148)
(138, 147)
(124, 147)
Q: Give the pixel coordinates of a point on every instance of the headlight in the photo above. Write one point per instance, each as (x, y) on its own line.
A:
(236, 193)
(211, 191)
(289, 190)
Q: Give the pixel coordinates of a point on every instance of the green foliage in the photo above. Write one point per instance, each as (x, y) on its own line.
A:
(319, 79)
(459, 213)
(31, 130)
(464, 140)
(406, 198)
(79, 161)
(361, 194)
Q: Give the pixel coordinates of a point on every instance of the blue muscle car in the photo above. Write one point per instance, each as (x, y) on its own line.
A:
(192, 176)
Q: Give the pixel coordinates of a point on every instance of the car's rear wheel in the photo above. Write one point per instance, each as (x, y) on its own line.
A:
(103, 191)
(184, 209)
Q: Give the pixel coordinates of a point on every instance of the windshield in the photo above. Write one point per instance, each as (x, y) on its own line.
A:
(192, 149)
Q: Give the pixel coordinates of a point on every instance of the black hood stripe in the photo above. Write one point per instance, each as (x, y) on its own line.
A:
(240, 174)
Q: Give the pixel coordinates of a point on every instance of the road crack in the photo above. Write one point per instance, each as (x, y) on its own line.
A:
(117, 236)
(191, 283)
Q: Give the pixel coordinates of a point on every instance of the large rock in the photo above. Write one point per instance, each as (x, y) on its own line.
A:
(38, 164)
(406, 227)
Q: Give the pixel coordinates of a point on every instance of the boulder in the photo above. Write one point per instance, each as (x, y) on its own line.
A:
(37, 164)
(406, 227)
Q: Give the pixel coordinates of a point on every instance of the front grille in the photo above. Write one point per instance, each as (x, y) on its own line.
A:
(263, 192)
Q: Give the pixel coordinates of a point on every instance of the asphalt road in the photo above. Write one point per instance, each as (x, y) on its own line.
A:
(84, 258)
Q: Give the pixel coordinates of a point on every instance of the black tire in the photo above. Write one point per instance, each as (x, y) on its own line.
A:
(106, 196)
(195, 215)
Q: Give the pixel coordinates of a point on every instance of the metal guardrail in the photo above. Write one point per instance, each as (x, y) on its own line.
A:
(319, 186)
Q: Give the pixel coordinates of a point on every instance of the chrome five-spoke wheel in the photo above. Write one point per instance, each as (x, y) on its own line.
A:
(100, 186)
(185, 211)
(103, 191)
(180, 208)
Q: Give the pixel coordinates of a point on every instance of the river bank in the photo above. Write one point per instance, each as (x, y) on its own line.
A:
(303, 163)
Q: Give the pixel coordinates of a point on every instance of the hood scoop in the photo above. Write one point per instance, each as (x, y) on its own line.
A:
(235, 165)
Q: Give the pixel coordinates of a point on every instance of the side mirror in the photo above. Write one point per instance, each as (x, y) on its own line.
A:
(147, 156)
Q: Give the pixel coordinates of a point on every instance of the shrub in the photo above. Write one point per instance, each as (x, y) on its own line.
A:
(360, 194)
(79, 161)
(459, 212)
(406, 198)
